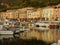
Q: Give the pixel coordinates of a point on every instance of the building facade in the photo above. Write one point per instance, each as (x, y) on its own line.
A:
(56, 14)
(47, 13)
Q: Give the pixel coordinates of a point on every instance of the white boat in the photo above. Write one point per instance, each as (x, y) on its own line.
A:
(6, 32)
(6, 36)
(45, 25)
(42, 25)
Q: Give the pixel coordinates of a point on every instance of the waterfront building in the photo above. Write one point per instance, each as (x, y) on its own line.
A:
(30, 13)
(2, 14)
(22, 13)
(56, 14)
(40, 11)
(47, 13)
(12, 14)
(8, 14)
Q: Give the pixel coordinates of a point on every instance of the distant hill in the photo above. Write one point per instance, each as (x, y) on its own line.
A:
(13, 4)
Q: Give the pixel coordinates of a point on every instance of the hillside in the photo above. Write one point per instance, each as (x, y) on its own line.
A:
(13, 4)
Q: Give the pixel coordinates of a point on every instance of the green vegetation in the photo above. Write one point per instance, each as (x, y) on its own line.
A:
(3, 7)
(13, 4)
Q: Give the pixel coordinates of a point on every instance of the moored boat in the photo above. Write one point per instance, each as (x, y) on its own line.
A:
(6, 32)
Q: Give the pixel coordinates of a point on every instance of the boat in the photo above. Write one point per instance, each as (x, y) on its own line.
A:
(6, 32)
(45, 25)
(6, 36)
(42, 25)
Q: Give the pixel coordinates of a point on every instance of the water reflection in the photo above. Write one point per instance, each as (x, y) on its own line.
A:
(48, 35)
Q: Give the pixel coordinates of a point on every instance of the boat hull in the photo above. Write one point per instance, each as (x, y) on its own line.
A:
(6, 32)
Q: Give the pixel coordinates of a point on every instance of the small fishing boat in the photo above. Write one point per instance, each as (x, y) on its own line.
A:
(6, 32)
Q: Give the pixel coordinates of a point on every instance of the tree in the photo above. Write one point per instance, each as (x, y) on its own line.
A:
(2, 7)
(28, 3)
